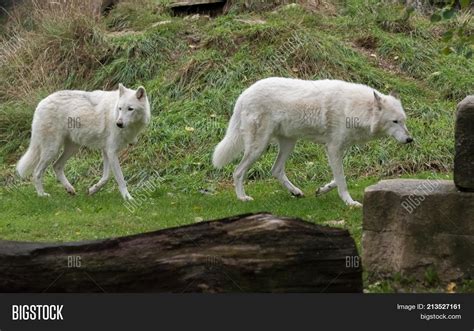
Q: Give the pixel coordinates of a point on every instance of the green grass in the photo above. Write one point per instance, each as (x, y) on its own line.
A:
(65, 218)
(161, 204)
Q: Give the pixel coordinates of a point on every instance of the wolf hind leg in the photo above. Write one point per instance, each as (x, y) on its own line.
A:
(254, 147)
(70, 149)
(48, 153)
(285, 147)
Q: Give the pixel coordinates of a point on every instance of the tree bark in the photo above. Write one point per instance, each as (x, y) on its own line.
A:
(246, 253)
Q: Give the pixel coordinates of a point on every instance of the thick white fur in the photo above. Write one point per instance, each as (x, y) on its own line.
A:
(335, 113)
(70, 119)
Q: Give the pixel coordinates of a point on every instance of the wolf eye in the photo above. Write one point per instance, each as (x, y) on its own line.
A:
(396, 122)
(130, 108)
(120, 108)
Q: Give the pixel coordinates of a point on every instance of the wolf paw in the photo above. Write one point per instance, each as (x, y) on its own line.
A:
(354, 204)
(128, 197)
(323, 190)
(92, 190)
(246, 198)
(71, 190)
(297, 193)
(44, 194)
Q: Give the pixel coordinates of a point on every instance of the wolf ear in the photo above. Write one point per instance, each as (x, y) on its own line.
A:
(395, 94)
(140, 92)
(378, 100)
(121, 89)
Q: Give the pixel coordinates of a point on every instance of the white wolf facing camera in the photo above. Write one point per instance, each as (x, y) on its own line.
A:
(335, 113)
(105, 120)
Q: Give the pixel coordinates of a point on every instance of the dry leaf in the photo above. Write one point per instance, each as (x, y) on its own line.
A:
(451, 288)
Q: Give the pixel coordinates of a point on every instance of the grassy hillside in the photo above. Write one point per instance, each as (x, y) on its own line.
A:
(193, 68)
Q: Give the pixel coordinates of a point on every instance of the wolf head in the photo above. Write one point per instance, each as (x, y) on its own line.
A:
(388, 117)
(132, 107)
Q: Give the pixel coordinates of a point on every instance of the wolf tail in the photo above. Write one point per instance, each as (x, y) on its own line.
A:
(29, 160)
(232, 144)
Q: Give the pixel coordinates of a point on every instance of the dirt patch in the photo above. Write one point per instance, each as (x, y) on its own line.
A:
(328, 7)
(203, 7)
(367, 46)
(367, 42)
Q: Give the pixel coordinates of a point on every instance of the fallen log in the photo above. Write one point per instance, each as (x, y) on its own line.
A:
(246, 253)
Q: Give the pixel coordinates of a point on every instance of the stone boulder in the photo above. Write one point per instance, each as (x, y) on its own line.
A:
(412, 225)
(464, 145)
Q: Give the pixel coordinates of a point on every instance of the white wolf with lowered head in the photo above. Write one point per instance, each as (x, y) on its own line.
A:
(335, 113)
(105, 120)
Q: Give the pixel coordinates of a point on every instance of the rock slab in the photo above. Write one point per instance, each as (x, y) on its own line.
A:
(464, 145)
(411, 226)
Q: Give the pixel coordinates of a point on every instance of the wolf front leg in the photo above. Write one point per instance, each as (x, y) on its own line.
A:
(115, 166)
(105, 176)
(335, 156)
